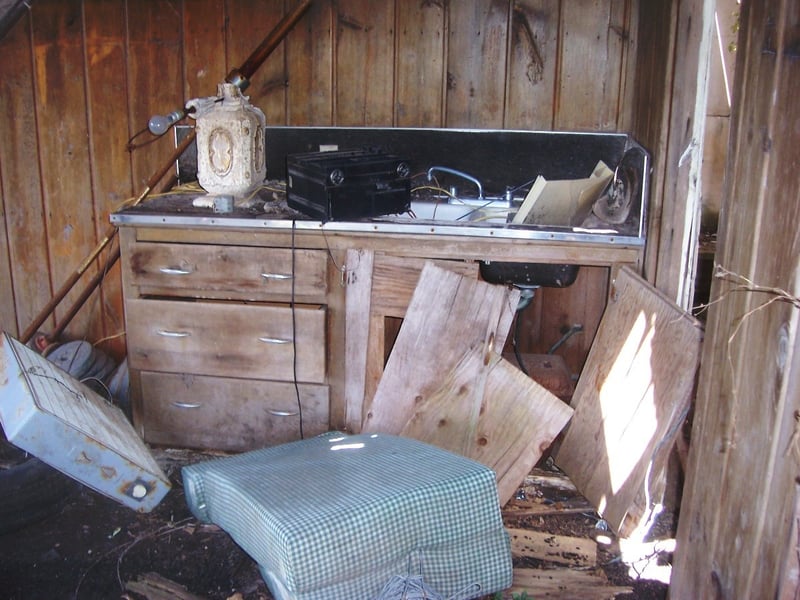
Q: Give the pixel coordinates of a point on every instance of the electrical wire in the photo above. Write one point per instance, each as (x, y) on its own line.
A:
(294, 339)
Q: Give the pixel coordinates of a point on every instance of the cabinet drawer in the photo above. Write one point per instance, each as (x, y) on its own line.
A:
(227, 339)
(232, 271)
(228, 414)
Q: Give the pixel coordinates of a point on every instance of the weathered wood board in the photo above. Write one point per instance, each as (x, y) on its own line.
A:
(632, 396)
(490, 411)
(379, 285)
(448, 313)
(566, 550)
(569, 584)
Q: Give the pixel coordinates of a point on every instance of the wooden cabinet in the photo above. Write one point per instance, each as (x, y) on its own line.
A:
(217, 336)
(223, 318)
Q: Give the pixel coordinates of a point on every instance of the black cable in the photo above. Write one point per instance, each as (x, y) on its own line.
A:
(517, 355)
(294, 339)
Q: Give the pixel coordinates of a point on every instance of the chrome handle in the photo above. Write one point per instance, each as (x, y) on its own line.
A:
(174, 271)
(270, 340)
(276, 276)
(186, 405)
(173, 334)
(282, 413)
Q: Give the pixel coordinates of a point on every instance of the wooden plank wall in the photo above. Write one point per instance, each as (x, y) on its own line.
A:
(79, 78)
(736, 537)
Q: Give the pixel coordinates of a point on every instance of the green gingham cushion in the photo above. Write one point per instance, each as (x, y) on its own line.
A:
(336, 513)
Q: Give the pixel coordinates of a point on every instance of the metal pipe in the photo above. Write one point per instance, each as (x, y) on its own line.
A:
(461, 174)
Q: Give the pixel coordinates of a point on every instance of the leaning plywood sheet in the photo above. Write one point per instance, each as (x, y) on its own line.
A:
(378, 286)
(490, 411)
(448, 314)
(632, 396)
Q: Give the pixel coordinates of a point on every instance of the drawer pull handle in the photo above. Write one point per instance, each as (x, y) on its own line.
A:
(276, 276)
(270, 340)
(186, 405)
(173, 334)
(174, 271)
(282, 413)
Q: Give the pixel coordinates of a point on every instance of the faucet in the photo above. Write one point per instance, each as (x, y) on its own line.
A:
(459, 174)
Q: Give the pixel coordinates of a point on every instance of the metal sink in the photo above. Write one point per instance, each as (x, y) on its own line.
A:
(487, 211)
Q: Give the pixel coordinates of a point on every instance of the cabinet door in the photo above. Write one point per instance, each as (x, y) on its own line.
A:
(227, 271)
(229, 414)
(228, 339)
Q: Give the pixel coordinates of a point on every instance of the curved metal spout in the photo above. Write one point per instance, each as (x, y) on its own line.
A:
(458, 174)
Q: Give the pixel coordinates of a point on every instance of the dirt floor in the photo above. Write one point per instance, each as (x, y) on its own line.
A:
(94, 548)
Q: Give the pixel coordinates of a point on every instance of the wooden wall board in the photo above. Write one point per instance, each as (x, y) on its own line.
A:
(652, 81)
(680, 214)
(533, 57)
(204, 33)
(66, 184)
(364, 62)
(25, 257)
(476, 63)
(106, 84)
(248, 23)
(588, 99)
(420, 64)
(154, 78)
(451, 313)
(309, 66)
(630, 401)
(741, 488)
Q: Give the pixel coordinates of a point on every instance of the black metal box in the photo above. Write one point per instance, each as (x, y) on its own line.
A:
(348, 184)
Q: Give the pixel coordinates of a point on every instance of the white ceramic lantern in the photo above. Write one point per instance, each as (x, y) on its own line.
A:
(230, 142)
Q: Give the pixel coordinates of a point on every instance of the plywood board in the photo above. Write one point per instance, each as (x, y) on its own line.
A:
(632, 396)
(448, 314)
(488, 410)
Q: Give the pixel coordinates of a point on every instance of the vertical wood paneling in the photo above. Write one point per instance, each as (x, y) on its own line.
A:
(248, 24)
(364, 62)
(64, 155)
(155, 69)
(588, 87)
(742, 475)
(205, 62)
(531, 74)
(483, 64)
(106, 86)
(26, 254)
(476, 63)
(420, 64)
(309, 66)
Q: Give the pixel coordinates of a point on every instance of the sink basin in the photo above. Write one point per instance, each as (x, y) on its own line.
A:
(492, 211)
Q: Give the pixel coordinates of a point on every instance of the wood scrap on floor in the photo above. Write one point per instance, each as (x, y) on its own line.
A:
(630, 401)
(565, 550)
(156, 587)
(565, 583)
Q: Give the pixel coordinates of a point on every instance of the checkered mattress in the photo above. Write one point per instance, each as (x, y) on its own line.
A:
(335, 516)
